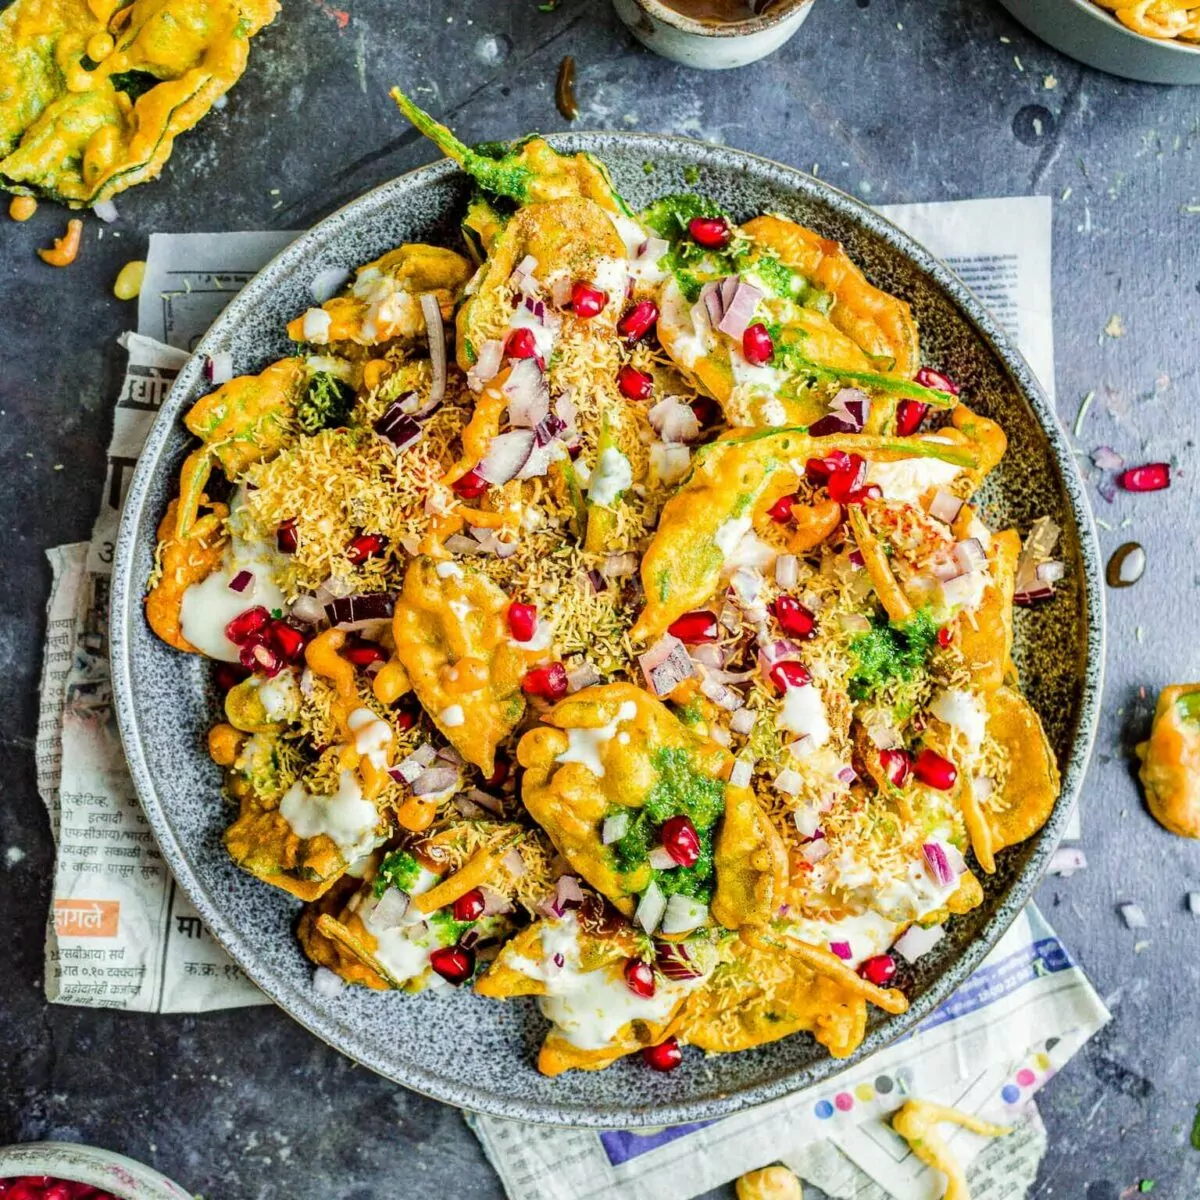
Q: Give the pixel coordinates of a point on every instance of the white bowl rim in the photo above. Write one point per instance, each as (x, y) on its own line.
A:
(76, 1162)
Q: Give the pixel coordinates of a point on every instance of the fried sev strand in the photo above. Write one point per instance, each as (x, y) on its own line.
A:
(916, 1122)
(475, 872)
(823, 962)
(978, 828)
(891, 595)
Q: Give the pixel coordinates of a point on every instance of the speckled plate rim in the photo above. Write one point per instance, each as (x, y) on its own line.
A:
(125, 607)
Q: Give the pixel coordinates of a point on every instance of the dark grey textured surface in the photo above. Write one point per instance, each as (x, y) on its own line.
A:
(245, 1104)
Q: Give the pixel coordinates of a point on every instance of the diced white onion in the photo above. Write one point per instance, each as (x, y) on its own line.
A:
(390, 910)
(683, 914)
(945, 506)
(787, 570)
(742, 721)
(1133, 916)
(327, 283)
(614, 828)
(742, 773)
(650, 908)
(789, 782)
(326, 983)
(660, 859)
(917, 941)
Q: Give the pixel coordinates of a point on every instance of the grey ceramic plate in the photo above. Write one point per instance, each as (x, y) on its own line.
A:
(1084, 30)
(478, 1053)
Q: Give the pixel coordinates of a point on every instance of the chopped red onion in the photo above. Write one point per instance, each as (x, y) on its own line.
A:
(507, 455)
(407, 769)
(524, 268)
(719, 694)
(567, 893)
(391, 909)
(770, 653)
(709, 655)
(650, 908)
(582, 677)
(970, 555)
(437, 346)
(945, 507)
(666, 665)
(842, 950)
(459, 543)
(307, 609)
(675, 961)
(813, 852)
(327, 283)
(652, 249)
(1107, 459)
(526, 392)
(852, 406)
(710, 296)
(615, 827)
(739, 308)
(241, 581)
(802, 747)
(493, 804)
(351, 612)
(916, 941)
(1039, 546)
(397, 427)
(847, 775)
(958, 590)
(729, 287)
(596, 581)
(618, 565)
(487, 364)
(830, 426)
(218, 368)
(433, 780)
(494, 904)
(742, 721)
(468, 809)
(938, 864)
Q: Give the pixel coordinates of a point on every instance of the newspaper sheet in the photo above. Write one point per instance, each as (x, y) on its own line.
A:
(121, 935)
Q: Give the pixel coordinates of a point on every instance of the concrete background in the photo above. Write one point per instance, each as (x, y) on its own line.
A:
(896, 101)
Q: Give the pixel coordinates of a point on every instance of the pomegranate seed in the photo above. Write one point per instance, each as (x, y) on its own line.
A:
(521, 344)
(695, 627)
(471, 486)
(286, 640)
(636, 323)
(634, 384)
(229, 675)
(522, 621)
(790, 674)
(680, 840)
(862, 494)
(713, 233)
(548, 681)
(286, 537)
(499, 774)
(366, 545)
(1152, 477)
(757, 345)
(895, 765)
(363, 653)
(245, 624)
(469, 907)
(935, 771)
(707, 410)
(258, 656)
(945, 636)
(587, 301)
(818, 470)
(794, 618)
(59, 1191)
(928, 377)
(453, 963)
(909, 415)
(781, 510)
(880, 970)
(847, 479)
(640, 978)
(405, 712)
(666, 1056)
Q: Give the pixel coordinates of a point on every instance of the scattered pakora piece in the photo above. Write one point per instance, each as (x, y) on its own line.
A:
(917, 1121)
(769, 1183)
(602, 616)
(93, 93)
(1170, 757)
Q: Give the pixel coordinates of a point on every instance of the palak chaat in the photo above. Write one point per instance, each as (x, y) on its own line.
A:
(601, 615)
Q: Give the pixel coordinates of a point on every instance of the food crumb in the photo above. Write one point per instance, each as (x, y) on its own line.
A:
(1050, 83)
(128, 285)
(66, 248)
(1018, 63)
(22, 208)
(14, 855)
(1115, 327)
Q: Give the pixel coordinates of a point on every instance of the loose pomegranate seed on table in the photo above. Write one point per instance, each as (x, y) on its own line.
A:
(695, 628)
(640, 978)
(363, 653)
(634, 384)
(909, 415)
(896, 764)
(548, 681)
(246, 624)
(522, 621)
(794, 619)
(928, 377)
(790, 674)
(1152, 477)
(666, 1056)
(757, 345)
(587, 301)
(781, 510)
(286, 537)
(680, 840)
(935, 771)
(880, 970)
(366, 545)
(713, 233)
(471, 486)
(453, 963)
(469, 907)
(638, 321)
(521, 344)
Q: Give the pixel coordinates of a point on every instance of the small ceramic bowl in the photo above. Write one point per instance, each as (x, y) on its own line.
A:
(711, 47)
(113, 1173)
(1091, 34)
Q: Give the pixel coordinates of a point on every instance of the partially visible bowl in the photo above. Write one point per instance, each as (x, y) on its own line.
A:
(708, 45)
(1091, 34)
(98, 1168)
